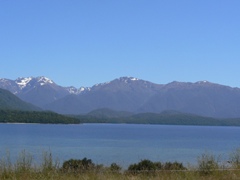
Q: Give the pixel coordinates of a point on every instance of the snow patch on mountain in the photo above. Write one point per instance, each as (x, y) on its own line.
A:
(73, 90)
(101, 84)
(127, 79)
(134, 79)
(22, 82)
(84, 89)
(44, 80)
(202, 82)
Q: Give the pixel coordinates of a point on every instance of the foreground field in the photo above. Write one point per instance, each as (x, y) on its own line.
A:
(208, 167)
(55, 175)
(109, 176)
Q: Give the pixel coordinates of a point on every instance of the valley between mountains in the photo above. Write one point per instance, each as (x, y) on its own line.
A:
(127, 94)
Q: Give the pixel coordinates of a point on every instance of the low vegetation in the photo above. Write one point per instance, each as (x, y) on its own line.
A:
(109, 116)
(208, 167)
(164, 118)
(44, 117)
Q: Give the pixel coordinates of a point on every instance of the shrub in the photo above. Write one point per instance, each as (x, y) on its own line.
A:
(149, 166)
(144, 165)
(159, 165)
(235, 158)
(115, 168)
(75, 165)
(24, 162)
(173, 166)
(6, 166)
(207, 164)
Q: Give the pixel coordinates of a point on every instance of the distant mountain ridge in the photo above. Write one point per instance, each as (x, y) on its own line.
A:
(37, 90)
(129, 94)
(122, 94)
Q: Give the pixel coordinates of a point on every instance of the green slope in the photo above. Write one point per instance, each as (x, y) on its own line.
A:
(10, 101)
(43, 117)
(14, 110)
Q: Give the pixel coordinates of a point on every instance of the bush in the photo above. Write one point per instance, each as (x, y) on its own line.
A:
(48, 164)
(235, 158)
(115, 168)
(207, 164)
(24, 162)
(144, 165)
(75, 165)
(173, 166)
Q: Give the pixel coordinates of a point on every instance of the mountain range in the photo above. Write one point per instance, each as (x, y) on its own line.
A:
(129, 94)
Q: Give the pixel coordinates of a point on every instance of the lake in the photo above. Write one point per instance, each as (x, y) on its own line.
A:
(120, 143)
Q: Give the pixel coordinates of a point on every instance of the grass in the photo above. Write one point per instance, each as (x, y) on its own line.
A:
(24, 168)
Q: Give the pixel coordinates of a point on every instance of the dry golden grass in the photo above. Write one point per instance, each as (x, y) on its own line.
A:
(24, 169)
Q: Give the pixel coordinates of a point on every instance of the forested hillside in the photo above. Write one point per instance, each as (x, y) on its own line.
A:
(43, 117)
(10, 101)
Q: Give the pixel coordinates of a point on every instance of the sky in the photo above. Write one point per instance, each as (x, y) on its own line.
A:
(85, 42)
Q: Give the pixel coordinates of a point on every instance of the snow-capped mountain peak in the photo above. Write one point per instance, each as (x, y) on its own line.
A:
(44, 80)
(22, 82)
(127, 79)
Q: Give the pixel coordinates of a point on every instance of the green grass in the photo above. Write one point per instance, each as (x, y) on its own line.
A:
(24, 168)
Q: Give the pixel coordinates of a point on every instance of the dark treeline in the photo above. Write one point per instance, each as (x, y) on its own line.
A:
(47, 117)
(84, 165)
(44, 117)
(168, 119)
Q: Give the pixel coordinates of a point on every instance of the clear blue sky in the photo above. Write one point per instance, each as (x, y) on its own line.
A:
(84, 42)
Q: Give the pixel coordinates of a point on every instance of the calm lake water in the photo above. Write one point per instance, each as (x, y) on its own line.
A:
(120, 143)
